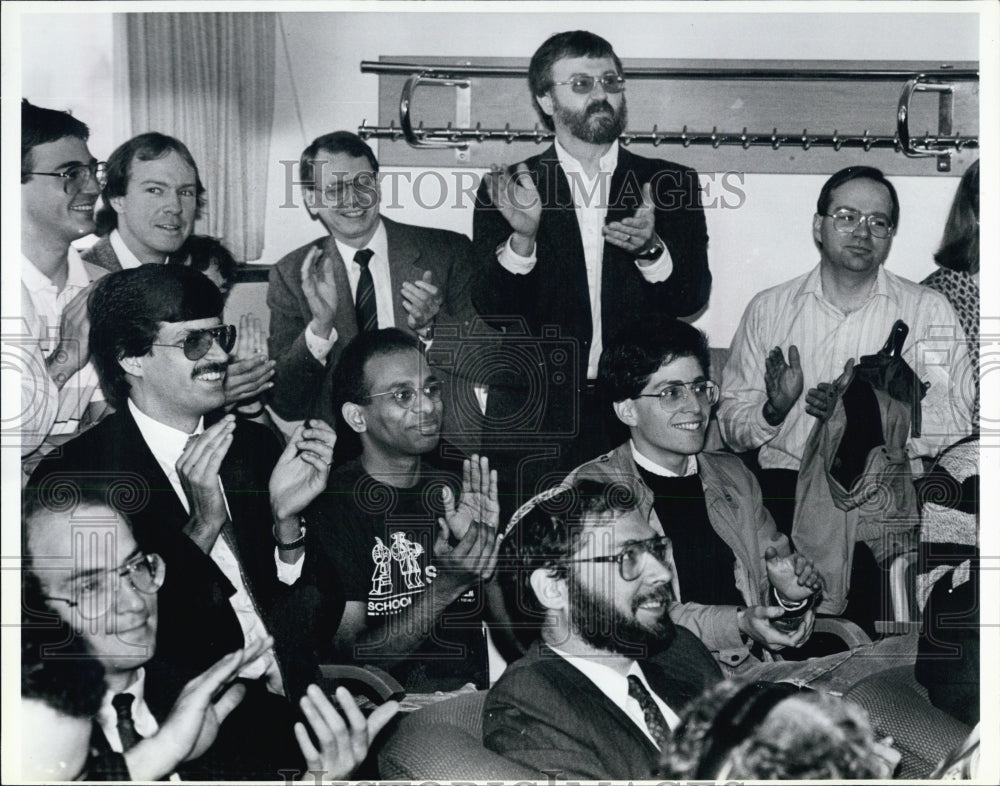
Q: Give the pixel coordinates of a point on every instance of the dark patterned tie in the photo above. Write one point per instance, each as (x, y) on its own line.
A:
(122, 703)
(655, 721)
(364, 303)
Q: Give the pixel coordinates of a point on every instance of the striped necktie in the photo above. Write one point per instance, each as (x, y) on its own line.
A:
(364, 302)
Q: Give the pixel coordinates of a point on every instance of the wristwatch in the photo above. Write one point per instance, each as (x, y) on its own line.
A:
(653, 252)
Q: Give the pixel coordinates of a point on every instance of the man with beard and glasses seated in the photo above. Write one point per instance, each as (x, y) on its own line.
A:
(598, 696)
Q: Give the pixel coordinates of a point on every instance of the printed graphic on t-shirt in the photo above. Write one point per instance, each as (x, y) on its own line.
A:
(400, 573)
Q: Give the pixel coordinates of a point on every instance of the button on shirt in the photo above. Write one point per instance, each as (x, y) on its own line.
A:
(615, 686)
(319, 346)
(590, 202)
(797, 312)
(167, 444)
(41, 308)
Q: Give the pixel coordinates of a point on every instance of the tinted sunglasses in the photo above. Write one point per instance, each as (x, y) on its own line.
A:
(197, 343)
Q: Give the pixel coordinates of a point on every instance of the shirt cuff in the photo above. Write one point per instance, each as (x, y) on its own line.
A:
(318, 347)
(288, 574)
(660, 270)
(513, 262)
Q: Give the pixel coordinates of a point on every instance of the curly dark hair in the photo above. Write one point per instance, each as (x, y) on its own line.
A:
(638, 349)
(788, 735)
(56, 667)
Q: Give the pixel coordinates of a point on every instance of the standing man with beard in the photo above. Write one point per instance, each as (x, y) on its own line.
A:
(579, 237)
(598, 696)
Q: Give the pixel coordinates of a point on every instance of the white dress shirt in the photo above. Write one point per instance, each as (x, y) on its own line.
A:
(167, 444)
(691, 468)
(126, 258)
(797, 312)
(145, 723)
(590, 201)
(615, 686)
(41, 309)
(320, 347)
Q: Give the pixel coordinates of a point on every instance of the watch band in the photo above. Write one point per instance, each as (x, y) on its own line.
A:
(291, 546)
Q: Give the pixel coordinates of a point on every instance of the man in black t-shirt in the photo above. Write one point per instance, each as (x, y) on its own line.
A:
(735, 575)
(411, 540)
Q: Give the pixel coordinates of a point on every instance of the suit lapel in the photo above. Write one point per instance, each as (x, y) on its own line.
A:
(403, 255)
(138, 458)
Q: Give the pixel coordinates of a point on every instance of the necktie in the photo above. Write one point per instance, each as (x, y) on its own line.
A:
(364, 302)
(122, 703)
(655, 721)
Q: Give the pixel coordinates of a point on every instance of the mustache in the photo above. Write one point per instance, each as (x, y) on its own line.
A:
(661, 593)
(208, 367)
(600, 106)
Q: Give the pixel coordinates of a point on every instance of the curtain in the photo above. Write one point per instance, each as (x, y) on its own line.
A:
(208, 80)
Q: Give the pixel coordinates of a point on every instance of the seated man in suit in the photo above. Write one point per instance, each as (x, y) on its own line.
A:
(198, 494)
(740, 588)
(91, 572)
(370, 272)
(597, 697)
(152, 197)
(413, 564)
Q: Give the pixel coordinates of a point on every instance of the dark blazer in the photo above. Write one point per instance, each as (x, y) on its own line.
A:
(197, 624)
(553, 300)
(545, 714)
(303, 384)
(102, 255)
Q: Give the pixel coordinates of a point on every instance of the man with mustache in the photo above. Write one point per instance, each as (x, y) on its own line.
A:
(741, 589)
(596, 698)
(197, 493)
(412, 542)
(60, 183)
(578, 237)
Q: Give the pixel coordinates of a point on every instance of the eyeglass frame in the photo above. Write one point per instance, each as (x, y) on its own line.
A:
(617, 80)
(862, 218)
(712, 389)
(216, 334)
(619, 557)
(124, 571)
(357, 186)
(424, 390)
(96, 170)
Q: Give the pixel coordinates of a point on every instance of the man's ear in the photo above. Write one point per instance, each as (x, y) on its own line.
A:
(131, 365)
(117, 203)
(818, 230)
(550, 591)
(309, 199)
(354, 416)
(545, 102)
(625, 410)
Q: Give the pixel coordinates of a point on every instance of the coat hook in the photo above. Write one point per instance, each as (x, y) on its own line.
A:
(656, 137)
(715, 139)
(539, 135)
(744, 139)
(866, 141)
(626, 138)
(837, 141)
(507, 133)
(806, 141)
(685, 139)
(775, 142)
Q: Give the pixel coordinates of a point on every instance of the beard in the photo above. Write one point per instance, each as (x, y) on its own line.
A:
(596, 124)
(603, 626)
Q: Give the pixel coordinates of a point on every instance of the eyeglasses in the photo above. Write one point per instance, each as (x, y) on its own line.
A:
(94, 594)
(364, 187)
(406, 396)
(584, 83)
(76, 177)
(632, 558)
(847, 220)
(197, 343)
(672, 396)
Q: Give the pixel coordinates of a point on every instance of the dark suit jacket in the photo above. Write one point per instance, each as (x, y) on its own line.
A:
(303, 384)
(553, 299)
(197, 624)
(544, 713)
(102, 255)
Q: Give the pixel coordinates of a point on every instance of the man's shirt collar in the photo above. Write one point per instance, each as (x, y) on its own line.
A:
(651, 466)
(165, 442)
(378, 243)
(34, 280)
(126, 258)
(607, 164)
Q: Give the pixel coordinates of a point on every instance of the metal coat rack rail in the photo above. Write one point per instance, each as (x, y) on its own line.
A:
(461, 133)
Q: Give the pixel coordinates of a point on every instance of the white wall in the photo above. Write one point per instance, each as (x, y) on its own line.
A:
(767, 240)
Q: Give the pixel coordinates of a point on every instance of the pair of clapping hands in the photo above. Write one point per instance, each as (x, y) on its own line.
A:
(421, 299)
(794, 579)
(783, 383)
(341, 743)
